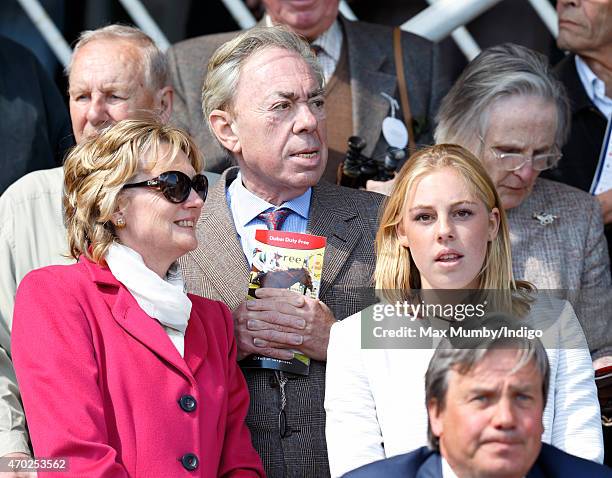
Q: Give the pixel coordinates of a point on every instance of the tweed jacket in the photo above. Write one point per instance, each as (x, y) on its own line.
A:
(569, 255)
(426, 463)
(372, 71)
(217, 269)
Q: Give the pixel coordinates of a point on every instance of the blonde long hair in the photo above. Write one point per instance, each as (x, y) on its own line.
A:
(96, 170)
(395, 268)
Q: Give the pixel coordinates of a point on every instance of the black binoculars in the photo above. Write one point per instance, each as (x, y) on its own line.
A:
(357, 168)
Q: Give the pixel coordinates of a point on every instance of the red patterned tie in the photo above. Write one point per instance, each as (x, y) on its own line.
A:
(274, 219)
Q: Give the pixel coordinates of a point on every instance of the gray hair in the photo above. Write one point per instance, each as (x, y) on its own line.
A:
(498, 72)
(225, 64)
(462, 358)
(154, 63)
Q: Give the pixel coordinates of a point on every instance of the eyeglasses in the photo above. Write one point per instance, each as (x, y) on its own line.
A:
(175, 185)
(515, 161)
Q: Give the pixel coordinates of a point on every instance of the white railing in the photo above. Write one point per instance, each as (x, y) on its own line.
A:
(464, 40)
(548, 15)
(440, 19)
(241, 14)
(347, 11)
(145, 22)
(48, 30)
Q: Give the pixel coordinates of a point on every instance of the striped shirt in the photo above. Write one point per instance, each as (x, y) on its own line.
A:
(245, 207)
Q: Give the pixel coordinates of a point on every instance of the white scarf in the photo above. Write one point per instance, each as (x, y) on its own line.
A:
(164, 300)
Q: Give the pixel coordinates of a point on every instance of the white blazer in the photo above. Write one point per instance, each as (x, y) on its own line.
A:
(375, 398)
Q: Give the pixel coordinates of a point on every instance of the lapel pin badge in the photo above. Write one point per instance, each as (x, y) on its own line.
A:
(544, 218)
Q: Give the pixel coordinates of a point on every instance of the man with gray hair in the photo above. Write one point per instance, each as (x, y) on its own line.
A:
(264, 100)
(485, 406)
(115, 72)
(585, 31)
(509, 110)
(360, 63)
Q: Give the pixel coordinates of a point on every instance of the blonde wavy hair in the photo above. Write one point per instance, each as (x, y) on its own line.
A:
(395, 269)
(96, 170)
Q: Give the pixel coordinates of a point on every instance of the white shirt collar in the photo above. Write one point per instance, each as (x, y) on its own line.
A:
(244, 215)
(330, 42)
(594, 87)
(447, 471)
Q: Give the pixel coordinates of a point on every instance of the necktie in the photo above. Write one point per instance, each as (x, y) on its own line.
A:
(274, 219)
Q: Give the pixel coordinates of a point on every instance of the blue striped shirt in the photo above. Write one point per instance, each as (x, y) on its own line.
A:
(245, 207)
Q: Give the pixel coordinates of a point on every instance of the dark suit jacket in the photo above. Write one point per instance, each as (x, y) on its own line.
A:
(217, 269)
(372, 70)
(35, 130)
(426, 463)
(581, 152)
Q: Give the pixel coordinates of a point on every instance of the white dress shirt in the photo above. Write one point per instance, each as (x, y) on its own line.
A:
(447, 471)
(595, 88)
(330, 46)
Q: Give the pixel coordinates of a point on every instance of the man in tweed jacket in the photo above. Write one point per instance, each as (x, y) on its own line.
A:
(371, 71)
(263, 98)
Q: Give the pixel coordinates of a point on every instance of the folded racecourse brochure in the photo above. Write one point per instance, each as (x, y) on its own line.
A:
(286, 260)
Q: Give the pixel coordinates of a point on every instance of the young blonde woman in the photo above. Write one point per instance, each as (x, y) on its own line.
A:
(443, 228)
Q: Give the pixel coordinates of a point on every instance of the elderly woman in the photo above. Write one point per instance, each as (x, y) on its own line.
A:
(509, 111)
(121, 372)
(444, 228)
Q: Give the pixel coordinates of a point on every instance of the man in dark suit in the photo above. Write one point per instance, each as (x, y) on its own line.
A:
(585, 30)
(358, 65)
(264, 102)
(485, 408)
(35, 129)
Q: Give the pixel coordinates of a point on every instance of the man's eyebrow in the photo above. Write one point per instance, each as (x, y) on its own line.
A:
(317, 92)
(290, 95)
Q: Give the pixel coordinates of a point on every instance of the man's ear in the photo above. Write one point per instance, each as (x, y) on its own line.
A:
(164, 98)
(225, 130)
(435, 417)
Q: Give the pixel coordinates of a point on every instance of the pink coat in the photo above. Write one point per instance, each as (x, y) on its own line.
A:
(103, 385)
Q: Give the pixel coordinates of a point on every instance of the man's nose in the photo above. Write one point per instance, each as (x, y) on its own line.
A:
(97, 112)
(305, 119)
(504, 414)
(562, 4)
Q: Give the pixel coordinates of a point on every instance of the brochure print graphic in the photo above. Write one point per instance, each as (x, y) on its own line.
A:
(286, 260)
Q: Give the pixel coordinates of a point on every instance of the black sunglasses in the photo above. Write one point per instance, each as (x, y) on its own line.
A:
(176, 186)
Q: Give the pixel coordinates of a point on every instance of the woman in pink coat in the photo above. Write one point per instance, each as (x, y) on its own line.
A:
(122, 374)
